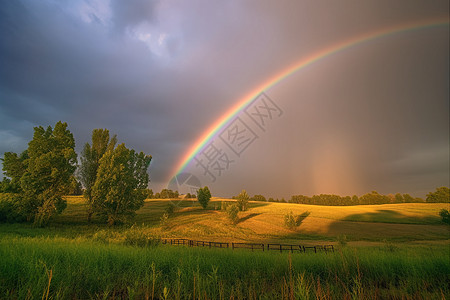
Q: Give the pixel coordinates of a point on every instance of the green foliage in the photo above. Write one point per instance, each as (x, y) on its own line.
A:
(292, 221)
(242, 200)
(441, 195)
(367, 199)
(445, 215)
(259, 198)
(90, 162)
(75, 187)
(232, 213)
(164, 220)
(9, 212)
(170, 209)
(14, 166)
(203, 196)
(167, 194)
(120, 186)
(289, 220)
(43, 172)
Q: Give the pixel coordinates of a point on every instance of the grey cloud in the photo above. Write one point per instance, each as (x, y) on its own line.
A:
(388, 99)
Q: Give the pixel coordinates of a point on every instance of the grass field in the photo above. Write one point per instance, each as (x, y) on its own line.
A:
(395, 251)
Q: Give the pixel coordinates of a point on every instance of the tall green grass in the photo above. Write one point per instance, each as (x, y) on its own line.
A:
(85, 268)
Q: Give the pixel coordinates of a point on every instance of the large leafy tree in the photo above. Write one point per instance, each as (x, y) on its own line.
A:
(121, 182)
(90, 162)
(43, 172)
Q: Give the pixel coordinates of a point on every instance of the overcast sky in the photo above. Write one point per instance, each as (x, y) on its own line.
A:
(159, 73)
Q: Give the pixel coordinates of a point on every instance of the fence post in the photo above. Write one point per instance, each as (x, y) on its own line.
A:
(315, 250)
(280, 249)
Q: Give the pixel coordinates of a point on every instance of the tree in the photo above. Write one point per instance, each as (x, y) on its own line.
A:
(120, 186)
(43, 172)
(203, 196)
(75, 187)
(242, 200)
(14, 167)
(441, 195)
(259, 198)
(233, 213)
(445, 215)
(90, 162)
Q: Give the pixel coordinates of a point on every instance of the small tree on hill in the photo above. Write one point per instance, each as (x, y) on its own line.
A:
(121, 183)
(232, 213)
(242, 200)
(203, 196)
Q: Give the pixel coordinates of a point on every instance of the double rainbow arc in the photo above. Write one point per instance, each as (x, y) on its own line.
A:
(216, 127)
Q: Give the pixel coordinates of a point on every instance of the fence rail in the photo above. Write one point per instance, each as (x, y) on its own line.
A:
(250, 246)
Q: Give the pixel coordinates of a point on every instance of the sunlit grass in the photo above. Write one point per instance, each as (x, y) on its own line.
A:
(84, 268)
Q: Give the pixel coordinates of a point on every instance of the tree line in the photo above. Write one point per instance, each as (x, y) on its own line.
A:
(114, 178)
(441, 195)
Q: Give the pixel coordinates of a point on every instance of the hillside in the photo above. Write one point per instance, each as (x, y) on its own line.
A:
(264, 221)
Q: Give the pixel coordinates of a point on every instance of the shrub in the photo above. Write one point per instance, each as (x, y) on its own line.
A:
(445, 215)
(223, 205)
(9, 210)
(232, 212)
(290, 220)
(164, 220)
(170, 209)
(242, 200)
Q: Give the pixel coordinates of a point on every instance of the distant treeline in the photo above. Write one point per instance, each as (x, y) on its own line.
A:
(441, 195)
(366, 199)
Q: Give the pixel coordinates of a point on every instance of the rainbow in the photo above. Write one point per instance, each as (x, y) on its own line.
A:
(212, 131)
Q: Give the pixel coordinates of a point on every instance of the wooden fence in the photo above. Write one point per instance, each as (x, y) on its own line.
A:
(250, 246)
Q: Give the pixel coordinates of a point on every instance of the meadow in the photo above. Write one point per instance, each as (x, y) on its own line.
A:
(391, 251)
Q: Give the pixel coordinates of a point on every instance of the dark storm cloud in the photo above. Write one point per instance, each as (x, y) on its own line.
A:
(158, 73)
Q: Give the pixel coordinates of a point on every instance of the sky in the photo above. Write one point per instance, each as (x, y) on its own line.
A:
(160, 74)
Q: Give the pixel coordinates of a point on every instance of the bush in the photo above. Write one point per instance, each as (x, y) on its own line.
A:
(9, 209)
(232, 212)
(164, 220)
(170, 209)
(445, 215)
(290, 220)
(242, 200)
